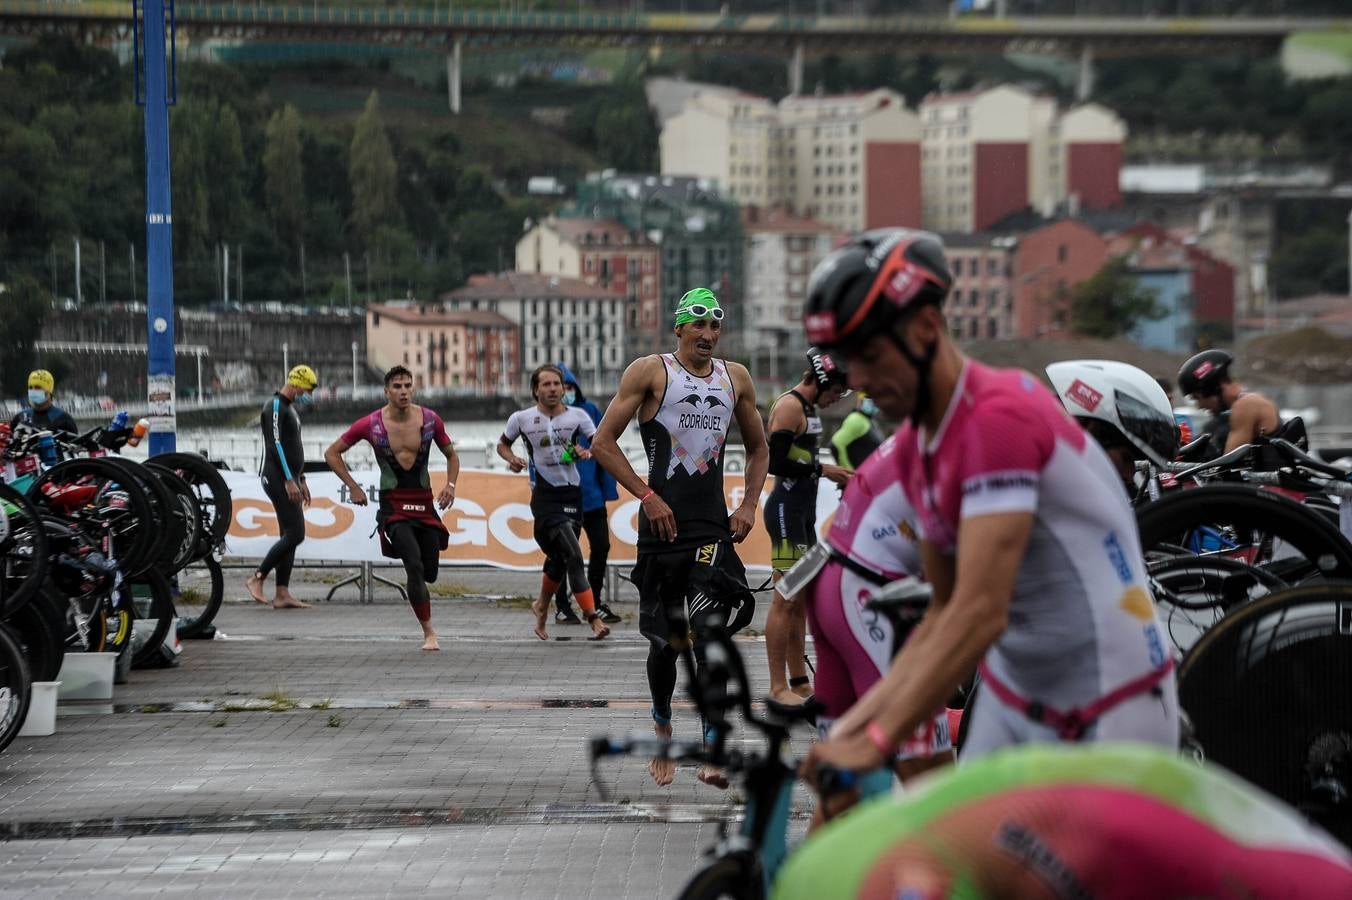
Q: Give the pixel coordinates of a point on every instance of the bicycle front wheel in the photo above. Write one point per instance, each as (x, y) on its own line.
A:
(15, 687)
(201, 587)
(726, 878)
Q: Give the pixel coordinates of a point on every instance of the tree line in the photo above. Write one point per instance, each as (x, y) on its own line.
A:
(311, 205)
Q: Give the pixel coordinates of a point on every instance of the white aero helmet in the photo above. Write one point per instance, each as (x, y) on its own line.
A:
(1121, 396)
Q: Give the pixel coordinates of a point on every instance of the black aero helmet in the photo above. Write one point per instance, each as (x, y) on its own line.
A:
(1204, 374)
(828, 371)
(862, 288)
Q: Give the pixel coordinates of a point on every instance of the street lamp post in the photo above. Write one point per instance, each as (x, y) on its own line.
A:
(354, 370)
(286, 360)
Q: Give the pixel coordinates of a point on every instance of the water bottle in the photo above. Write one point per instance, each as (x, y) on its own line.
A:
(138, 431)
(47, 448)
(120, 421)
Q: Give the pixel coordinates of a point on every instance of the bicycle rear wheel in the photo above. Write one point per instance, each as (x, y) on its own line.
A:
(23, 550)
(15, 686)
(213, 496)
(201, 587)
(1193, 593)
(120, 506)
(41, 644)
(185, 511)
(151, 601)
(1266, 690)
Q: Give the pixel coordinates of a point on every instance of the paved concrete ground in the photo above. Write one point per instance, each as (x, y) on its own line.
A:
(319, 752)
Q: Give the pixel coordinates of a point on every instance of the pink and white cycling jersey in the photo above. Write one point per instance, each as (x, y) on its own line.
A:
(874, 527)
(1081, 619)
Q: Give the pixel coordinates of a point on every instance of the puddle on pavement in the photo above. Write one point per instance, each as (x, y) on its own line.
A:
(550, 814)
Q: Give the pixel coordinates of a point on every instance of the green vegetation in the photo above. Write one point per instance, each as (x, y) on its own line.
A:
(1110, 304)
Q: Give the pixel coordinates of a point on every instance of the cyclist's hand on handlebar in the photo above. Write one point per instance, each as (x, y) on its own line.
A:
(854, 752)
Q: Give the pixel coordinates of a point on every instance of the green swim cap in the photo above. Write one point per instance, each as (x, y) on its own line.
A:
(694, 299)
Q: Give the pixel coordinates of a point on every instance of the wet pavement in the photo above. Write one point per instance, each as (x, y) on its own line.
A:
(320, 752)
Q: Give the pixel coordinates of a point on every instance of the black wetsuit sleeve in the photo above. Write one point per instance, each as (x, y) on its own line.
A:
(65, 422)
(789, 461)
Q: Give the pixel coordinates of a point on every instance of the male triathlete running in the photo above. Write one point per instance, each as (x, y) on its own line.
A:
(283, 475)
(552, 432)
(685, 402)
(791, 513)
(402, 435)
(858, 435)
(1240, 415)
(1026, 536)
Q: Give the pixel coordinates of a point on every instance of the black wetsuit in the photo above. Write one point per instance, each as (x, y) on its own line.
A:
(283, 461)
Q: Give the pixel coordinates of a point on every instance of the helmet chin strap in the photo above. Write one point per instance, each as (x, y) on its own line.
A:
(922, 365)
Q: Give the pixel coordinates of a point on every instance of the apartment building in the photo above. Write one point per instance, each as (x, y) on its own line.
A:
(557, 319)
(474, 351)
(697, 231)
(980, 304)
(1048, 264)
(850, 161)
(782, 249)
(987, 154)
(599, 252)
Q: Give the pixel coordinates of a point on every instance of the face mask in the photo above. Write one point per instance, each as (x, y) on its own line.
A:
(36, 396)
(868, 407)
(305, 399)
(570, 397)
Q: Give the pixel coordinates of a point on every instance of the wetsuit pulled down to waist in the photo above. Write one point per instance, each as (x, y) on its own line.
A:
(409, 504)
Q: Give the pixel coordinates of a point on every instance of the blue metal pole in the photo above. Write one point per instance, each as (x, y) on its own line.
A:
(160, 388)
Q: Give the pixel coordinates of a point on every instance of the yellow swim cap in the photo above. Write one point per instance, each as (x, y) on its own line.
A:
(41, 378)
(303, 377)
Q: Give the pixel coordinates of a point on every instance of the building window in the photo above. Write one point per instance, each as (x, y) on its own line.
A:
(1062, 253)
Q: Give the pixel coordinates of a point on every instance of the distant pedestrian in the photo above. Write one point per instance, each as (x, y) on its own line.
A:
(598, 486)
(283, 473)
(40, 413)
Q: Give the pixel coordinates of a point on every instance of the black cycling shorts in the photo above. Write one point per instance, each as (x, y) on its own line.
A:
(699, 584)
(792, 523)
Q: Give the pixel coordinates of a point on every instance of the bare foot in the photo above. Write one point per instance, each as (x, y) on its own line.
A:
(254, 585)
(430, 642)
(286, 601)
(713, 776)
(663, 771)
(802, 690)
(541, 610)
(600, 631)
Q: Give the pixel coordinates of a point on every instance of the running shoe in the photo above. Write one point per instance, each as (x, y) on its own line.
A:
(607, 615)
(566, 617)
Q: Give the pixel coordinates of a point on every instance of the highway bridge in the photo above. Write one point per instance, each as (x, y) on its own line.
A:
(451, 31)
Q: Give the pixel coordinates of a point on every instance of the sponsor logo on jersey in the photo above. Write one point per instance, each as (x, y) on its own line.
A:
(908, 531)
(885, 531)
(1083, 395)
(1136, 603)
(999, 481)
(705, 554)
(1118, 558)
(695, 400)
(1154, 645)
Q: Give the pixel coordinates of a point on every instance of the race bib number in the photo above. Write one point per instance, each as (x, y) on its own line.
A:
(804, 571)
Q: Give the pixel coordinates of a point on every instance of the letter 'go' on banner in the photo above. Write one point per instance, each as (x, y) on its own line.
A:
(490, 522)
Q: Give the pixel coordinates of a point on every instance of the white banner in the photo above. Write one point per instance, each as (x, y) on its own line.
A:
(490, 522)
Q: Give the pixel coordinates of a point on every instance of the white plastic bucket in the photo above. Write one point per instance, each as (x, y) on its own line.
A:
(41, 719)
(87, 676)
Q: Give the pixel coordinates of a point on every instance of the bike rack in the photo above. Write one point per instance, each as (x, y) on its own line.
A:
(364, 580)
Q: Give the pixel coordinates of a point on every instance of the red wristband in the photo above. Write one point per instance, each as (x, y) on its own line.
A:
(647, 495)
(879, 739)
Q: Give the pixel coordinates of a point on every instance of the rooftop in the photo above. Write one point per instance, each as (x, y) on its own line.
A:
(596, 231)
(755, 218)
(527, 286)
(432, 314)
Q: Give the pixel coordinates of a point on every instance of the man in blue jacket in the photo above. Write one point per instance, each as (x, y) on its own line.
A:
(597, 487)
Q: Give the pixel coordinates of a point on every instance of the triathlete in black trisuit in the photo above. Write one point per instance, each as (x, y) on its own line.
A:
(791, 513)
(552, 431)
(686, 563)
(411, 530)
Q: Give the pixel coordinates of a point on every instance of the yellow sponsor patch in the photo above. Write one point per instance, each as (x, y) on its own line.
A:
(1136, 603)
(705, 554)
(907, 531)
